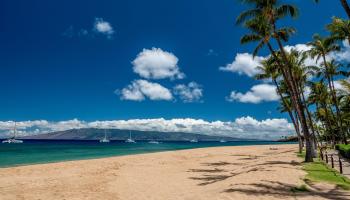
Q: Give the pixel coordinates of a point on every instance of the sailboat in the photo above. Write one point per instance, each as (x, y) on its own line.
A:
(13, 140)
(130, 140)
(194, 140)
(222, 141)
(105, 139)
(153, 142)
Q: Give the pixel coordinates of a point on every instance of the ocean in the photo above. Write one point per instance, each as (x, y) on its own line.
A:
(39, 151)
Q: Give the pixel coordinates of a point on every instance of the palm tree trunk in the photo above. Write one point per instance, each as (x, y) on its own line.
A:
(296, 126)
(346, 7)
(296, 101)
(310, 122)
(298, 105)
(335, 100)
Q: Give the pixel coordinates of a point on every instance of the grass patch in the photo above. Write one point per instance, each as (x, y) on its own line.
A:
(302, 188)
(301, 155)
(320, 172)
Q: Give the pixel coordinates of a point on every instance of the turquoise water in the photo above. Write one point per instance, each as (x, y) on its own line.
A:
(34, 152)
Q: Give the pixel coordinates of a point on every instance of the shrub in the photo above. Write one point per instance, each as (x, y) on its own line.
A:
(343, 149)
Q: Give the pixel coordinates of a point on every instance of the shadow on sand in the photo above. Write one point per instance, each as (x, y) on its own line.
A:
(266, 188)
(278, 189)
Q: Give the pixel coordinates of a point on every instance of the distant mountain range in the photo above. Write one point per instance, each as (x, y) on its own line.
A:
(117, 134)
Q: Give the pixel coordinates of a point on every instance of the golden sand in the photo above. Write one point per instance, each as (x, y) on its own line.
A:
(250, 172)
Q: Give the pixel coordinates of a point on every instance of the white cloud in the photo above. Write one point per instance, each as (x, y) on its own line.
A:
(339, 86)
(138, 90)
(244, 127)
(189, 93)
(103, 27)
(344, 54)
(244, 63)
(157, 64)
(257, 94)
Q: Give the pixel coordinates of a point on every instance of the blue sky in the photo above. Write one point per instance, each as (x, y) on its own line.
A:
(62, 60)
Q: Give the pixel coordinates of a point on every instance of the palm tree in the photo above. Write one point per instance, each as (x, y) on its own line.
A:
(261, 21)
(269, 70)
(301, 73)
(345, 103)
(320, 48)
(340, 29)
(346, 7)
(320, 97)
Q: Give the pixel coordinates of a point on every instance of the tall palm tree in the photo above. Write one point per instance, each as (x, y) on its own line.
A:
(320, 97)
(320, 49)
(301, 73)
(269, 70)
(345, 103)
(261, 20)
(340, 29)
(346, 7)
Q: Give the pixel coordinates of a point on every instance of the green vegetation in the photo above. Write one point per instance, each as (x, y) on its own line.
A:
(320, 172)
(324, 114)
(301, 155)
(343, 149)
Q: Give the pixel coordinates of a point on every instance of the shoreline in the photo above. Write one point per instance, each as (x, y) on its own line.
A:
(231, 172)
(119, 154)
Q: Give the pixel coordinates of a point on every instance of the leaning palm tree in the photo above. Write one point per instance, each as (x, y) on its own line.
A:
(269, 70)
(262, 20)
(346, 7)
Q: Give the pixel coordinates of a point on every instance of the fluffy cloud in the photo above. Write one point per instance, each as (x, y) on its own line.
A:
(344, 54)
(189, 93)
(244, 63)
(138, 90)
(157, 64)
(244, 127)
(103, 27)
(257, 94)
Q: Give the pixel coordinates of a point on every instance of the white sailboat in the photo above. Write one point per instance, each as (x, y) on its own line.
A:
(105, 139)
(13, 140)
(130, 140)
(222, 141)
(194, 140)
(153, 142)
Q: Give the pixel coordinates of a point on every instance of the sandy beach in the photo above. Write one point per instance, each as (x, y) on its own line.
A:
(249, 172)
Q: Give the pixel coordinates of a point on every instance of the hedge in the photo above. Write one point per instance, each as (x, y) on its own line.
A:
(343, 149)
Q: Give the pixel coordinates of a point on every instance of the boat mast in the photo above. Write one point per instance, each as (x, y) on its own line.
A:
(14, 131)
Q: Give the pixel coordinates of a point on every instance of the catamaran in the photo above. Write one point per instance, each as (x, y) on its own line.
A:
(130, 140)
(13, 140)
(105, 139)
